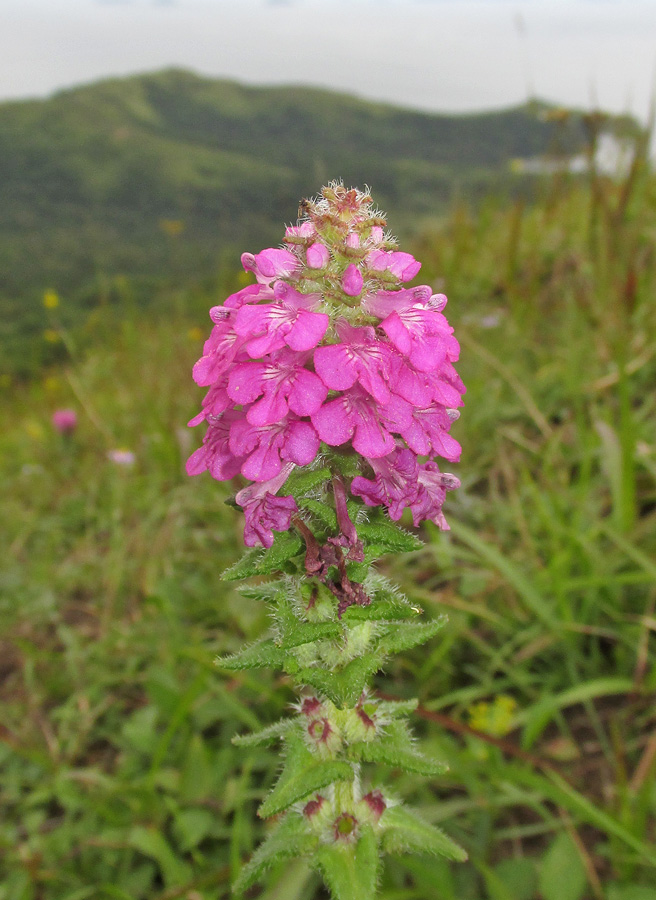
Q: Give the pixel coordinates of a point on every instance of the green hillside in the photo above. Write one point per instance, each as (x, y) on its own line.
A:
(164, 176)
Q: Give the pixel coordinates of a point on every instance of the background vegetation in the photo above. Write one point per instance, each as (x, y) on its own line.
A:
(144, 178)
(117, 775)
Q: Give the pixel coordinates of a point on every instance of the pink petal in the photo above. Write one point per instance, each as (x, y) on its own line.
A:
(307, 330)
(397, 333)
(301, 443)
(270, 409)
(332, 423)
(371, 439)
(317, 256)
(334, 366)
(246, 383)
(352, 281)
(307, 394)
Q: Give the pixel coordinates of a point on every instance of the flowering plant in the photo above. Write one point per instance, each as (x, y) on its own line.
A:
(332, 391)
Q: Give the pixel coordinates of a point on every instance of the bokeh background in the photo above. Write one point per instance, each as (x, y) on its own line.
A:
(143, 146)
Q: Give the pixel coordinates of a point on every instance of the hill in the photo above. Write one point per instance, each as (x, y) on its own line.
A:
(162, 176)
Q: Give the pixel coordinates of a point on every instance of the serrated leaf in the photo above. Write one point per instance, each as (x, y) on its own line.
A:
(302, 774)
(351, 871)
(405, 832)
(257, 562)
(406, 635)
(264, 737)
(285, 547)
(306, 632)
(388, 535)
(396, 608)
(244, 567)
(396, 748)
(323, 513)
(397, 707)
(386, 754)
(344, 687)
(289, 839)
(268, 591)
(263, 654)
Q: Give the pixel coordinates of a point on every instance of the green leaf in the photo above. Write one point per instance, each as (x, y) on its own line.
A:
(302, 481)
(395, 748)
(287, 840)
(630, 892)
(397, 707)
(263, 654)
(153, 844)
(393, 537)
(351, 870)
(264, 737)
(257, 562)
(245, 567)
(344, 687)
(394, 608)
(404, 636)
(405, 832)
(306, 632)
(268, 591)
(562, 873)
(302, 774)
(323, 513)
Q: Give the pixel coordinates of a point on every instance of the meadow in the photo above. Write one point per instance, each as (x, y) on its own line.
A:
(117, 775)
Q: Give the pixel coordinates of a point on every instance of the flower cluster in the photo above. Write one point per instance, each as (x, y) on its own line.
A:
(330, 346)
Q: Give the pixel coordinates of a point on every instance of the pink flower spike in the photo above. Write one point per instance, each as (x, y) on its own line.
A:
(269, 264)
(317, 256)
(352, 281)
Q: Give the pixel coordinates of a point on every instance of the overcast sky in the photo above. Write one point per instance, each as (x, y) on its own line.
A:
(427, 54)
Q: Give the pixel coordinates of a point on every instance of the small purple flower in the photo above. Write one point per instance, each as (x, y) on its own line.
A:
(352, 281)
(215, 455)
(290, 321)
(400, 483)
(64, 420)
(417, 331)
(402, 265)
(219, 351)
(263, 447)
(270, 264)
(427, 433)
(281, 382)
(264, 512)
(360, 357)
(353, 415)
(395, 482)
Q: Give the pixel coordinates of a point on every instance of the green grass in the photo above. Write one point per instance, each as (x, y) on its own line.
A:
(118, 778)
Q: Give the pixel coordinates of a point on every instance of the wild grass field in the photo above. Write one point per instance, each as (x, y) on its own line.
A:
(117, 775)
